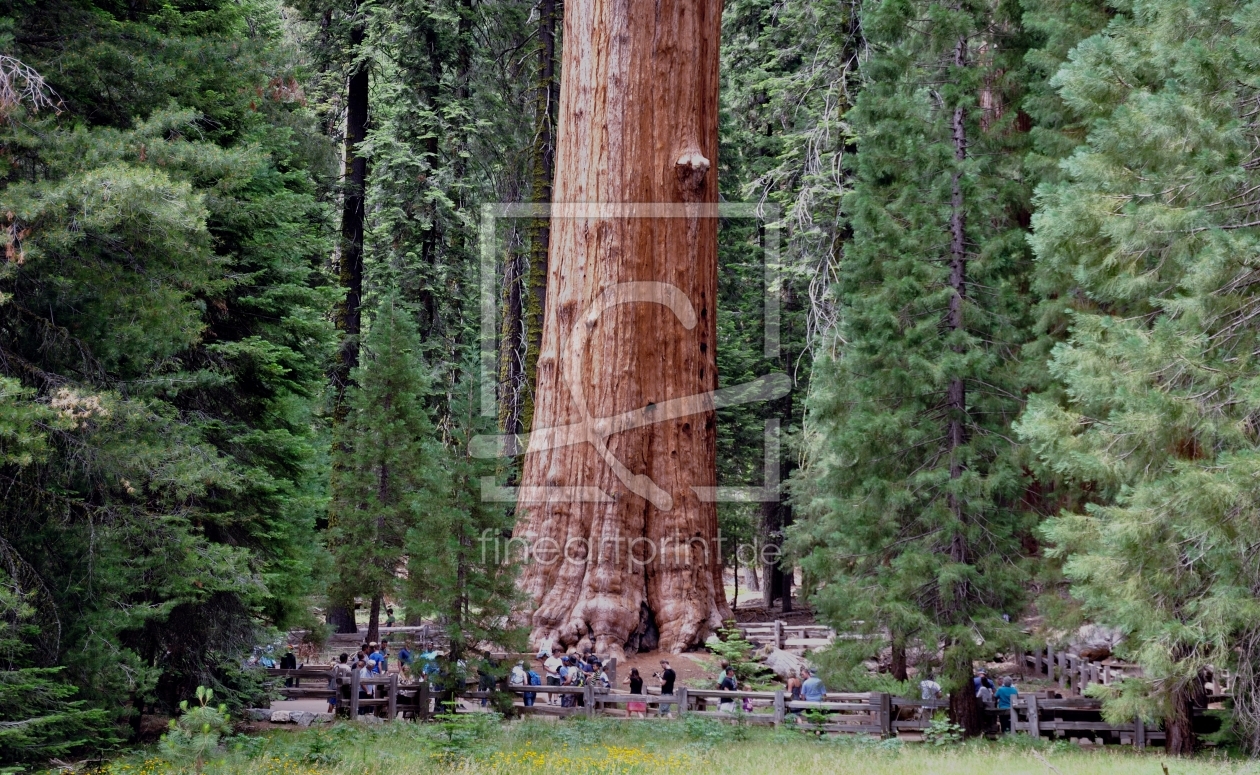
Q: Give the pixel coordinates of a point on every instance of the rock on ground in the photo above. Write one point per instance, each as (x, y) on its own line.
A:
(783, 663)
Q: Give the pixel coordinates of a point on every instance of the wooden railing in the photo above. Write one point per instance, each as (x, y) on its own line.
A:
(872, 713)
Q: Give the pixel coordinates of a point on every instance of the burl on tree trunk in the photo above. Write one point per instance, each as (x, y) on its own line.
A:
(628, 338)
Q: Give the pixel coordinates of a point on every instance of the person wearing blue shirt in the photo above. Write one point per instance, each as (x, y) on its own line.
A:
(1005, 693)
(813, 689)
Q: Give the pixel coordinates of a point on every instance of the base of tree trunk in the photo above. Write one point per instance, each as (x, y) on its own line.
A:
(341, 617)
(1179, 726)
(964, 709)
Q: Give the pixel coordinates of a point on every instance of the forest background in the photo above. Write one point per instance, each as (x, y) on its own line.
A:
(239, 329)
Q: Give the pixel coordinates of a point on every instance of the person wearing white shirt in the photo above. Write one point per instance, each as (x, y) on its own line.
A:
(552, 665)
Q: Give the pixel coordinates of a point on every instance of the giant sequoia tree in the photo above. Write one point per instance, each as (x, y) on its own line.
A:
(629, 328)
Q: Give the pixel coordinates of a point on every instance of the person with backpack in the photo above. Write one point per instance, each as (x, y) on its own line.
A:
(577, 678)
(340, 669)
(534, 680)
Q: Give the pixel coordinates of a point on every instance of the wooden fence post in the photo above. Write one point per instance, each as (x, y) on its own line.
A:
(1034, 719)
(778, 633)
(611, 669)
(1014, 718)
(1139, 734)
(778, 707)
(393, 697)
(885, 714)
(680, 696)
(588, 699)
(354, 695)
(423, 699)
(1062, 671)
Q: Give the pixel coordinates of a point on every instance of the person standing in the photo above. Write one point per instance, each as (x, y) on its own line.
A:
(389, 617)
(728, 684)
(552, 667)
(383, 656)
(929, 689)
(534, 680)
(340, 669)
(404, 660)
(288, 662)
(1005, 694)
(667, 677)
(518, 677)
(636, 687)
(366, 691)
(982, 680)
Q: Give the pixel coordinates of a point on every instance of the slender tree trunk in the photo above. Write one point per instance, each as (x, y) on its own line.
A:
(957, 393)
(374, 620)
(899, 666)
(546, 102)
(750, 578)
(348, 314)
(963, 708)
(511, 342)
(350, 274)
(629, 324)
(776, 516)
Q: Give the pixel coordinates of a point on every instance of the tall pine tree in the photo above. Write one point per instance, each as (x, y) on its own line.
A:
(386, 462)
(914, 488)
(1150, 238)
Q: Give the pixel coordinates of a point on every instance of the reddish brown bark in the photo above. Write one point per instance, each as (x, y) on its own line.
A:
(637, 125)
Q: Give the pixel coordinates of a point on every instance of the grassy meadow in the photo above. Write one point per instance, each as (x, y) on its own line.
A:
(477, 745)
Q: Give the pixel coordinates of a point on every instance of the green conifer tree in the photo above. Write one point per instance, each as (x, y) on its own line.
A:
(386, 467)
(1151, 234)
(914, 487)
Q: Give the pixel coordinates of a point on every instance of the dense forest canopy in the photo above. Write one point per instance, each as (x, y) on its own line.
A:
(1013, 247)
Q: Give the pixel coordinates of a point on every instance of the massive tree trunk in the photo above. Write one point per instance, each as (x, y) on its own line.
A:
(630, 324)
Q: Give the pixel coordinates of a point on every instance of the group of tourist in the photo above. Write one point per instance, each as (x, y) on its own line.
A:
(370, 661)
(990, 695)
(560, 669)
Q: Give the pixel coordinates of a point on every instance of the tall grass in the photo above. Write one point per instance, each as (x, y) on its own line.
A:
(692, 746)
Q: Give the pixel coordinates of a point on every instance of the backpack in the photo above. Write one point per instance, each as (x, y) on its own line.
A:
(534, 680)
(577, 678)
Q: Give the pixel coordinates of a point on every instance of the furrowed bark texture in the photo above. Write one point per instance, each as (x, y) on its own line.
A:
(637, 125)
